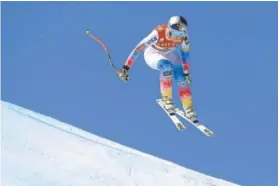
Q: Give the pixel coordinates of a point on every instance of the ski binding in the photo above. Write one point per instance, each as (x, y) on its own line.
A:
(179, 125)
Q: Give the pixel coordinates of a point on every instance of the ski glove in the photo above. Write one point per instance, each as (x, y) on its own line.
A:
(187, 78)
(123, 74)
(186, 73)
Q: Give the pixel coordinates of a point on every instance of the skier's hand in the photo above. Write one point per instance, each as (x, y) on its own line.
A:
(186, 73)
(187, 78)
(123, 75)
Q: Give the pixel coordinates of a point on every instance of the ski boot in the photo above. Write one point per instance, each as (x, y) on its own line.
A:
(169, 105)
(191, 114)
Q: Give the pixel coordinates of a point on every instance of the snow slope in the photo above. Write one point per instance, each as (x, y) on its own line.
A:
(40, 151)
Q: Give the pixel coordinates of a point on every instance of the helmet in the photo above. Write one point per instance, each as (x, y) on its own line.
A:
(177, 26)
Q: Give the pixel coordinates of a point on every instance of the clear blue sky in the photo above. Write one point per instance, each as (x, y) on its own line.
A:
(49, 65)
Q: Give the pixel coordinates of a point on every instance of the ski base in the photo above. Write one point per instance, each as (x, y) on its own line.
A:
(179, 125)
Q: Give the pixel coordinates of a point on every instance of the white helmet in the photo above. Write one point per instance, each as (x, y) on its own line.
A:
(177, 26)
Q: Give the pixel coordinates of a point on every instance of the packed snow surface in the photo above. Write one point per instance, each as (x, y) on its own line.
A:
(41, 151)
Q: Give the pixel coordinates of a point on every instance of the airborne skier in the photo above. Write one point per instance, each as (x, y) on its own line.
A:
(160, 53)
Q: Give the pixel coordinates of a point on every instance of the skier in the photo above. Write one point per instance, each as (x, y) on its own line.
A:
(160, 53)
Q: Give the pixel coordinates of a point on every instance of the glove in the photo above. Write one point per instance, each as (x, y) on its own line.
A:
(186, 73)
(123, 74)
(187, 78)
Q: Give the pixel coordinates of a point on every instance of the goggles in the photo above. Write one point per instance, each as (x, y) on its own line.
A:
(177, 31)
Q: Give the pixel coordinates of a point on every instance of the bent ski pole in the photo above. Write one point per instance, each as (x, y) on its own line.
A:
(105, 49)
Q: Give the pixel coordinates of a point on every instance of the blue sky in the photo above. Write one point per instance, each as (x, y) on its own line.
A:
(49, 65)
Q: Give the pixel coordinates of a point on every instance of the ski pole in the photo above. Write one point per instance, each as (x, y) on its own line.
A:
(105, 49)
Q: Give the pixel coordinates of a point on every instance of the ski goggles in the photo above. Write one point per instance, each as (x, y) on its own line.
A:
(176, 31)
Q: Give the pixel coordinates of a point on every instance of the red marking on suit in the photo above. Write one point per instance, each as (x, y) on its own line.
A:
(166, 83)
(185, 92)
(186, 67)
(129, 62)
(140, 48)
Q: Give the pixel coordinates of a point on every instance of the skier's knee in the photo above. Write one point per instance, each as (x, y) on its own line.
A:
(179, 75)
(180, 79)
(165, 67)
(182, 84)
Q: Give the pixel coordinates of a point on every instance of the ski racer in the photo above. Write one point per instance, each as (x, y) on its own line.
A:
(166, 49)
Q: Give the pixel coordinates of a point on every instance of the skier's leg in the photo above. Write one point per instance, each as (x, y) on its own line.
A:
(183, 88)
(166, 70)
(159, 62)
(184, 92)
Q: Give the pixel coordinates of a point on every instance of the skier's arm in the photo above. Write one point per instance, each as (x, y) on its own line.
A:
(185, 46)
(151, 39)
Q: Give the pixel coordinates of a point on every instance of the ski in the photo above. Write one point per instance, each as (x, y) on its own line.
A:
(179, 125)
(205, 130)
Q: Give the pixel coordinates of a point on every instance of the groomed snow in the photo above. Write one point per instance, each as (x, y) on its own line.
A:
(41, 151)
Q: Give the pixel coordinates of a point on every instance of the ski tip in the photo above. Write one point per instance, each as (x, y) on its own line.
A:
(209, 132)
